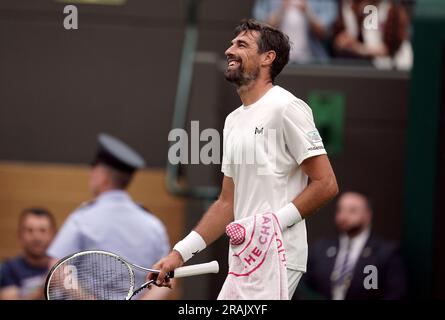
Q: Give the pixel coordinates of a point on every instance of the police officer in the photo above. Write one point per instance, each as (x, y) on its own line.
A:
(112, 221)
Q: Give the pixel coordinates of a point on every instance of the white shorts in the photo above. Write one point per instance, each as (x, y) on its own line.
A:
(293, 278)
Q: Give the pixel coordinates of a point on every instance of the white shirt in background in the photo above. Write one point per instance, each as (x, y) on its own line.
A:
(294, 24)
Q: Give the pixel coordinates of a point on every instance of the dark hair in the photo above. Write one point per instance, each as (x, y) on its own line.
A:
(270, 39)
(41, 212)
(120, 179)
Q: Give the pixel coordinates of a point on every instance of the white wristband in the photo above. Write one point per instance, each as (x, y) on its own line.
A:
(190, 245)
(288, 216)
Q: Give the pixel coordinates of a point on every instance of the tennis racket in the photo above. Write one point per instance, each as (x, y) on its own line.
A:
(102, 275)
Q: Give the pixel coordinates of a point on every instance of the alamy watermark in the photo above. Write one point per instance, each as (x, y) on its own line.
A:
(371, 20)
(372, 276)
(71, 20)
(70, 280)
(247, 146)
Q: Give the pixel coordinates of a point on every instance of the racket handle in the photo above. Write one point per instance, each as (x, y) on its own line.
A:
(197, 269)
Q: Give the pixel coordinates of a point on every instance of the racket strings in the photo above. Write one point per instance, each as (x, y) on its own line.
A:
(93, 276)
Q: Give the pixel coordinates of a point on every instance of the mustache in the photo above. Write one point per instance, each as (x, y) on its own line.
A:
(234, 58)
(37, 243)
(354, 229)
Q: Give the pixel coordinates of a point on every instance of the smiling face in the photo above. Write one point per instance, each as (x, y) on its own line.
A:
(243, 58)
(258, 53)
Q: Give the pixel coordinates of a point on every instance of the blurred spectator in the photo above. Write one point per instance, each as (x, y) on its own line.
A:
(336, 267)
(23, 277)
(113, 222)
(388, 45)
(308, 23)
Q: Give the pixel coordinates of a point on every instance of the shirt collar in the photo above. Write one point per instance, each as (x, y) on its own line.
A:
(249, 107)
(112, 195)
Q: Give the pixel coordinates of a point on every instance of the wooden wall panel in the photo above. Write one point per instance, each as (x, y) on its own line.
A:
(62, 188)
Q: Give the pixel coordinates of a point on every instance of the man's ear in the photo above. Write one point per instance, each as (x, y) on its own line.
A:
(269, 58)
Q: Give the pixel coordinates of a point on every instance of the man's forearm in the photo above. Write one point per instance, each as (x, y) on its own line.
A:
(322, 188)
(315, 196)
(213, 223)
(10, 293)
(37, 294)
(210, 228)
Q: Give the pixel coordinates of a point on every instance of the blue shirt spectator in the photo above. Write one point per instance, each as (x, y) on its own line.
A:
(23, 277)
(308, 23)
(17, 272)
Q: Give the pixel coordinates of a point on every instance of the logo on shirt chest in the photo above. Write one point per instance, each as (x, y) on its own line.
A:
(252, 146)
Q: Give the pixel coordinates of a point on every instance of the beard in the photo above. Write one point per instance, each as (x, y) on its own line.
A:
(354, 230)
(35, 250)
(239, 76)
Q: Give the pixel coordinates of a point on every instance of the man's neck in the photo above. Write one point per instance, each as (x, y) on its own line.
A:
(38, 262)
(251, 93)
(105, 189)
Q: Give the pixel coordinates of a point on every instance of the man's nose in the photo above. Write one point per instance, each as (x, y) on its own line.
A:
(229, 52)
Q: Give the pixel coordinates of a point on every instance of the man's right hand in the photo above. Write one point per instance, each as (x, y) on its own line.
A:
(169, 263)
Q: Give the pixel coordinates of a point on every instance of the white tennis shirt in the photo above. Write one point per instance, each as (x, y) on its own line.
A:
(264, 146)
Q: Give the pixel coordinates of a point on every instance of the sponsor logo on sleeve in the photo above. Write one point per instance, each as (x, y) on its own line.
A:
(315, 148)
(314, 136)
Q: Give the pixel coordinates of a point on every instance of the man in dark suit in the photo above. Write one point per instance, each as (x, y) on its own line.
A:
(345, 268)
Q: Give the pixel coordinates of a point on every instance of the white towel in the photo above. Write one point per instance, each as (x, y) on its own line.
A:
(257, 269)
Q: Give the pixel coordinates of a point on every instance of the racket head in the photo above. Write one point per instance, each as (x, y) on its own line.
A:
(90, 275)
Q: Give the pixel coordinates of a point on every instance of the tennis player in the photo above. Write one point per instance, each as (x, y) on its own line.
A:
(292, 177)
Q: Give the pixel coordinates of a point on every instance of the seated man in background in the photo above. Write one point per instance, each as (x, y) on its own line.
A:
(336, 267)
(308, 23)
(113, 221)
(23, 277)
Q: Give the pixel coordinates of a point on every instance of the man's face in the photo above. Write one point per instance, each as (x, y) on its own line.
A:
(243, 59)
(353, 213)
(35, 234)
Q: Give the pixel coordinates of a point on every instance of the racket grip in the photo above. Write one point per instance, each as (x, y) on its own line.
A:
(196, 269)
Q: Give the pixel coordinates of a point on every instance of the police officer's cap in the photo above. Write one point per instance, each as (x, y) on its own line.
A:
(118, 155)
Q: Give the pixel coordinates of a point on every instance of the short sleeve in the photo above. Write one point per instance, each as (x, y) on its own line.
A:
(68, 240)
(300, 134)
